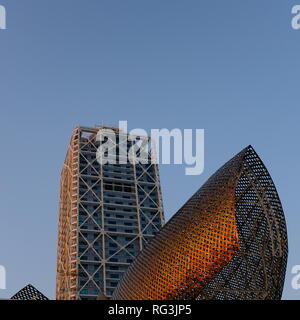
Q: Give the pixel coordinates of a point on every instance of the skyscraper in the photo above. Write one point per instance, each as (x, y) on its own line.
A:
(108, 212)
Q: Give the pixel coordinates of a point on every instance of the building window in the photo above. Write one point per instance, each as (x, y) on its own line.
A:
(84, 291)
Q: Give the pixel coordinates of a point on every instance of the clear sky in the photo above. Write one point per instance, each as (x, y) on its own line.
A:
(230, 67)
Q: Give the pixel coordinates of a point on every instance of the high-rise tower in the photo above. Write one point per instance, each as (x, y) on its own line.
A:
(108, 213)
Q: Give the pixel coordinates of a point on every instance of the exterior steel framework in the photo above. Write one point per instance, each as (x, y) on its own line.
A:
(107, 215)
(229, 241)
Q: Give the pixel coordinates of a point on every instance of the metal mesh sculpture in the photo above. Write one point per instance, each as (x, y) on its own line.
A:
(29, 293)
(229, 241)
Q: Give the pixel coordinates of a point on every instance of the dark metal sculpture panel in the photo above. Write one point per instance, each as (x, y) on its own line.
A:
(29, 293)
(229, 241)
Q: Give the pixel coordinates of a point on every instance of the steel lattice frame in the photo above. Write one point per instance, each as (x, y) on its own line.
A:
(229, 241)
(84, 184)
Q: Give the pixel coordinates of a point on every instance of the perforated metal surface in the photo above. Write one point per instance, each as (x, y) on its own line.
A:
(29, 293)
(228, 241)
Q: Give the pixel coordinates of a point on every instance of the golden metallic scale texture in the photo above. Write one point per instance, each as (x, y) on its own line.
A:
(229, 241)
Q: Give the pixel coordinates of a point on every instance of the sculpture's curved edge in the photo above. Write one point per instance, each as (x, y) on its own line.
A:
(267, 271)
(280, 264)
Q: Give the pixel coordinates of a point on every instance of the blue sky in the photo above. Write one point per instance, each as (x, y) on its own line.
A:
(229, 67)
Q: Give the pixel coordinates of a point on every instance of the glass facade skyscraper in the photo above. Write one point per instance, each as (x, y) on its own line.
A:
(108, 212)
